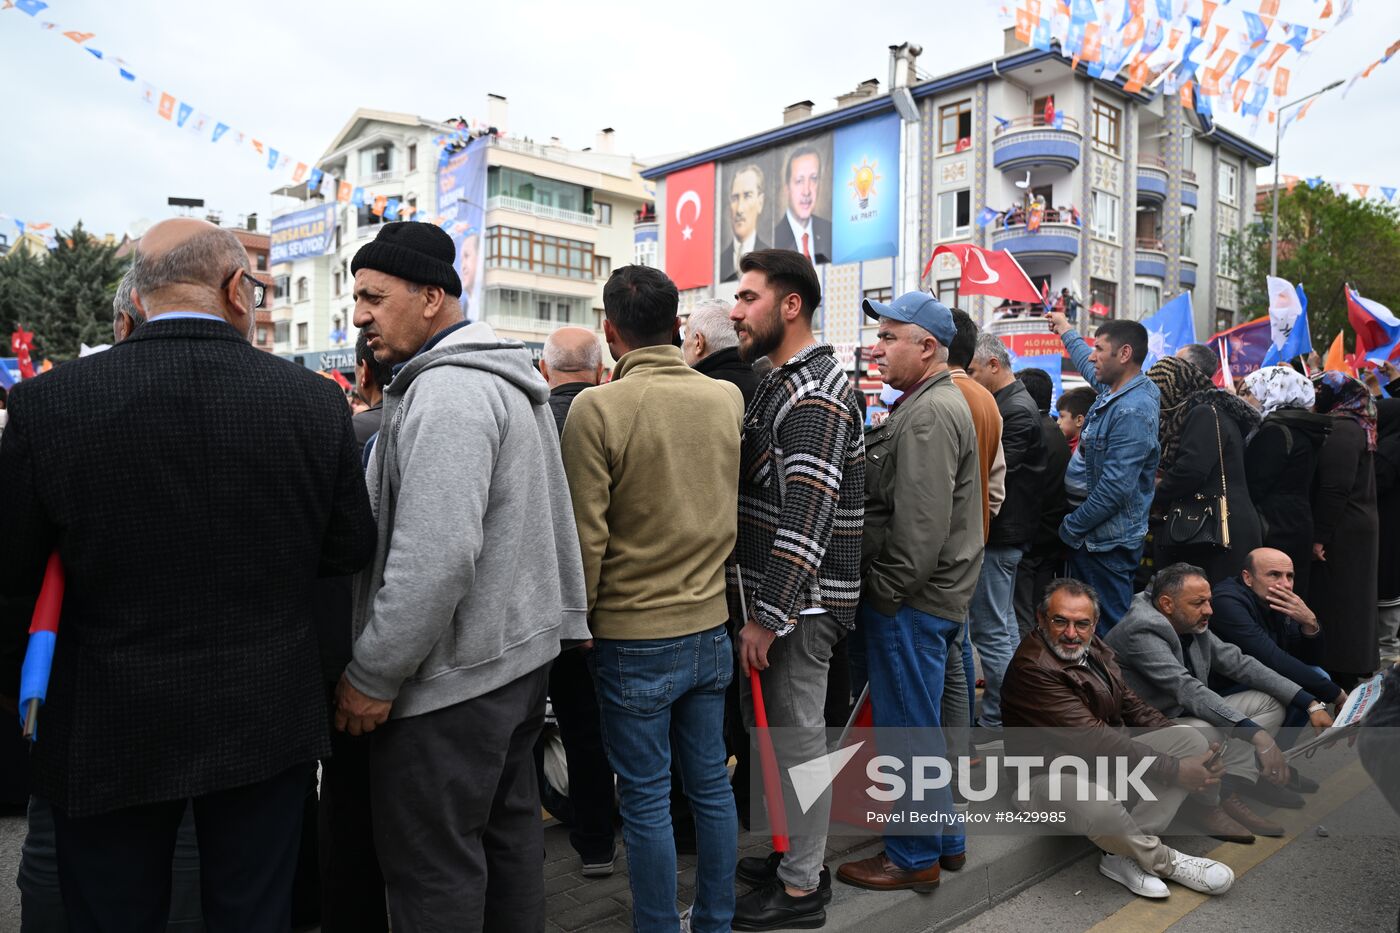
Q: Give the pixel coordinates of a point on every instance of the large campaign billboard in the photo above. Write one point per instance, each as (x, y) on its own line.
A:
(462, 205)
(865, 211)
(303, 234)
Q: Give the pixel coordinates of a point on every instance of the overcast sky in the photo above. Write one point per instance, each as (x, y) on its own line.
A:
(80, 144)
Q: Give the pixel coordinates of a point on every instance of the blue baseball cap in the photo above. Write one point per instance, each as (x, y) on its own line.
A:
(919, 308)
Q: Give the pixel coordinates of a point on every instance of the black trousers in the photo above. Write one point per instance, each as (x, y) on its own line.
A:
(591, 795)
(457, 813)
(352, 887)
(1033, 575)
(114, 869)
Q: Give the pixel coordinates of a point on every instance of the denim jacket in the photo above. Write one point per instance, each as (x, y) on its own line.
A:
(1120, 450)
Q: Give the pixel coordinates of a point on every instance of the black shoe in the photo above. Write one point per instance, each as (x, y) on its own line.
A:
(764, 871)
(770, 907)
(1271, 794)
(1300, 784)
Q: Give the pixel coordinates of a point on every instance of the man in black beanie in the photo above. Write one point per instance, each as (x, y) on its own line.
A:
(476, 581)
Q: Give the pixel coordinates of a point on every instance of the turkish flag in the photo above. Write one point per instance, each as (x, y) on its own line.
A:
(690, 226)
(992, 272)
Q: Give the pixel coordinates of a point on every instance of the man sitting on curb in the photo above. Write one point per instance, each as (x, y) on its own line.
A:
(1259, 613)
(1168, 658)
(1064, 678)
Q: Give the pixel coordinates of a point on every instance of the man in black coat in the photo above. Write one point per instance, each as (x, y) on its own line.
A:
(572, 361)
(194, 487)
(1047, 556)
(1259, 613)
(371, 376)
(992, 615)
(712, 347)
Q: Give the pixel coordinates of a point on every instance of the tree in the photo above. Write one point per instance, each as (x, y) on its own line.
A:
(1325, 242)
(64, 297)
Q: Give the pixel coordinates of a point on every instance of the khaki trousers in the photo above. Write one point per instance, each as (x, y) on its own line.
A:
(1239, 752)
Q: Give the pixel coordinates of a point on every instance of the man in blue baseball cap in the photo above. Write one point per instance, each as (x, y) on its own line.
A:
(920, 557)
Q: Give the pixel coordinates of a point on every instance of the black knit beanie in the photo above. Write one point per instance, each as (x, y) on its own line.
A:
(415, 252)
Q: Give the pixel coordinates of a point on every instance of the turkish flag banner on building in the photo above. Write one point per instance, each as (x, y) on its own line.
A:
(690, 226)
(993, 272)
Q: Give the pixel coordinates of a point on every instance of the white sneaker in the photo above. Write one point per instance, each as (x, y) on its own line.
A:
(1200, 874)
(685, 920)
(1130, 875)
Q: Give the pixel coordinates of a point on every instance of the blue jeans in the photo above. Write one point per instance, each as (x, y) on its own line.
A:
(653, 696)
(1110, 573)
(908, 654)
(992, 624)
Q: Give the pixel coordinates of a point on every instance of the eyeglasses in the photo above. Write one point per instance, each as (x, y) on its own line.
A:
(1081, 625)
(259, 288)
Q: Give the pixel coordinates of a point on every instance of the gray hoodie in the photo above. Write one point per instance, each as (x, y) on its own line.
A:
(477, 577)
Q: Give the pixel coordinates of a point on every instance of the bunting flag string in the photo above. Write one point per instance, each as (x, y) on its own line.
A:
(186, 116)
(1361, 190)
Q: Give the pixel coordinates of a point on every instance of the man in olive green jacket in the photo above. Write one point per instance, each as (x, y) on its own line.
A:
(920, 557)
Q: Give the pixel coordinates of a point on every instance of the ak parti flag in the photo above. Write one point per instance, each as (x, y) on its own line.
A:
(690, 225)
(992, 272)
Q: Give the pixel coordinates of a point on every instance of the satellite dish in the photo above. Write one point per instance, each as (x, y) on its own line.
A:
(1023, 185)
(139, 227)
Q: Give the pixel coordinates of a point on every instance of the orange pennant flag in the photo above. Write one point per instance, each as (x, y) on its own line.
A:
(1092, 43)
(1336, 358)
(1273, 115)
(1133, 31)
(166, 107)
(1290, 182)
(1186, 94)
(1370, 68)
(1137, 76)
(1207, 11)
(1281, 82)
(380, 201)
(1074, 62)
(1362, 189)
(258, 146)
(1268, 21)
(1326, 10)
(344, 191)
(1240, 89)
(299, 173)
(1033, 8)
(1220, 33)
(1210, 84)
(1268, 8)
(1306, 107)
(79, 37)
(1275, 55)
(1025, 26)
(1176, 37)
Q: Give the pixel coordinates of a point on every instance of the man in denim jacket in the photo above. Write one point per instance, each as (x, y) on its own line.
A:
(1120, 449)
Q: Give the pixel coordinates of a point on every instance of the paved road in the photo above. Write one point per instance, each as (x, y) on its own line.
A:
(1302, 883)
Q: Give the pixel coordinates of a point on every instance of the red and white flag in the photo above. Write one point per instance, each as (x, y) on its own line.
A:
(992, 272)
(690, 226)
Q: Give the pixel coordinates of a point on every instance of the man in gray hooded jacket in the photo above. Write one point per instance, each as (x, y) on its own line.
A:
(476, 581)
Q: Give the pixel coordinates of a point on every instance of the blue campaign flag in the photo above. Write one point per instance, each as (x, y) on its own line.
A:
(1040, 37)
(357, 197)
(1051, 364)
(391, 209)
(1297, 36)
(1315, 182)
(1170, 329)
(219, 130)
(9, 372)
(32, 7)
(1299, 341)
(985, 216)
(184, 114)
(1258, 32)
(866, 196)
(93, 52)
(272, 155)
(1388, 192)
(1002, 122)
(126, 74)
(313, 183)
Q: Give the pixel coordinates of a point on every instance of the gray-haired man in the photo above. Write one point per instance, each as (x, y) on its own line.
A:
(126, 310)
(712, 347)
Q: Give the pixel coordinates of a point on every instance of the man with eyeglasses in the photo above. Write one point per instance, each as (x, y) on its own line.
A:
(191, 672)
(1065, 683)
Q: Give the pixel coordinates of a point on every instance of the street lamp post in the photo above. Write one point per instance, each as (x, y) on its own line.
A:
(1278, 140)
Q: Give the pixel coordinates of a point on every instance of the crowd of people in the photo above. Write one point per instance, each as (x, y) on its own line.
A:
(256, 581)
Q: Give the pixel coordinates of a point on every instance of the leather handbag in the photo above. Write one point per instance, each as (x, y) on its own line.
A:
(1202, 519)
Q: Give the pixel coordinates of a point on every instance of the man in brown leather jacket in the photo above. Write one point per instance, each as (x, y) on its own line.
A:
(1065, 682)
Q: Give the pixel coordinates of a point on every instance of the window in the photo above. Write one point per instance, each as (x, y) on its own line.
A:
(281, 331)
(376, 161)
(261, 262)
(1188, 154)
(1229, 183)
(1188, 234)
(948, 292)
(602, 267)
(336, 279)
(413, 157)
(1107, 122)
(303, 289)
(603, 212)
(509, 248)
(955, 127)
(1225, 257)
(1104, 295)
(302, 338)
(1046, 193)
(263, 335)
(644, 252)
(527, 310)
(1104, 222)
(954, 214)
(1147, 299)
(282, 286)
(366, 217)
(338, 228)
(1043, 106)
(523, 186)
(412, 207)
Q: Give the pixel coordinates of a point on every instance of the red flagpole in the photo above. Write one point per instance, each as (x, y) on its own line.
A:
(767, 755)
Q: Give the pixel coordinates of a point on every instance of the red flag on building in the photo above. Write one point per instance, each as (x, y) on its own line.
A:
(690, 226)
(992, 272)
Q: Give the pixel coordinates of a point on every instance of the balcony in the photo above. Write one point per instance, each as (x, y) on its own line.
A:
(1151, 259)
(1188, 272)
(548, 212)
(1054, 241)
(1151, 180)
(1190, 191)
(1029, 142)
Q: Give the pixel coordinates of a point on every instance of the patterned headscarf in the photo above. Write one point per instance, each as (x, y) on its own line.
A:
(1341, 396)
(1182, 387)
(1280, 387)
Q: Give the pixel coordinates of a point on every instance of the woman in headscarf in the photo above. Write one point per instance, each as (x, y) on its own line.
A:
(1346, 529)
(1280, 461)
(1191, 464)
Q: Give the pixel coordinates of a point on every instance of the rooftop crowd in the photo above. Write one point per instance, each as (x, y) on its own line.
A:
(258, 583)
